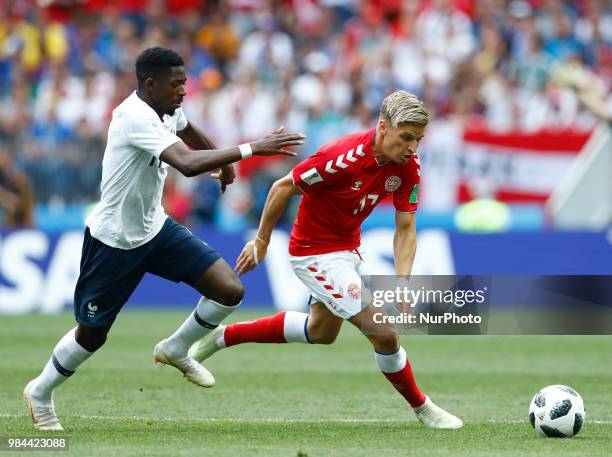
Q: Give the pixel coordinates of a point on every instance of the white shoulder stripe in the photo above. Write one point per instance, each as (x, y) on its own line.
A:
(329, 167)
(349, 156)
(341, 164)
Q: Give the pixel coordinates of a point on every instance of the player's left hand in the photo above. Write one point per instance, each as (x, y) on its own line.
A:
(252, 255)
(225, 175)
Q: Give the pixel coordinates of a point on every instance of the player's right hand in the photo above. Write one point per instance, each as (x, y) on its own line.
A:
(226, 175)
(406, 309)
(252, 255)
(276, 142)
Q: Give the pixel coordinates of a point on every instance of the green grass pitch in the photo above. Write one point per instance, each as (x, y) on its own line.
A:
(296, 400)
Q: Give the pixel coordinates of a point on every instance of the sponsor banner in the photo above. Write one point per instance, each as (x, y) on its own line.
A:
(516, 167)
(488, 305)
(38, 271)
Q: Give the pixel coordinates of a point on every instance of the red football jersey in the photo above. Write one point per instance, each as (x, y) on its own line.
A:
(342, 183)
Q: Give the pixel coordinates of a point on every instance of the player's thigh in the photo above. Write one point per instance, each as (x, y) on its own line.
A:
(333, 279)
(107, 278)
(180, 256)
(323, 326)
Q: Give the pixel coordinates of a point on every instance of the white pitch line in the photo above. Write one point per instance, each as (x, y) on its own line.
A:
(281, 421)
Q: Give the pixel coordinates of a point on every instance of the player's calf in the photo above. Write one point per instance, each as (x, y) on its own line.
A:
(390, 357)
(283, 327)
(67, 356)
(398, 371)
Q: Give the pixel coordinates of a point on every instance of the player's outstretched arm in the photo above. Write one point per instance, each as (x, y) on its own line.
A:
(255, 250)
(193, 137)
(193, 163)
(404, 250)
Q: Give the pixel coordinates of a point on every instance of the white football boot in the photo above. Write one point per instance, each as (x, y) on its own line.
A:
(42, 412)
(431, 415)
(191, 369)
(207, 346)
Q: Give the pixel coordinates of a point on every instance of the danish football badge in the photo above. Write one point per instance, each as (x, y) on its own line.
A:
(354, 291)
(392, 183)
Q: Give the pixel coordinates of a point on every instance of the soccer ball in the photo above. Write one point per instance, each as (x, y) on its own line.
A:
(557, 411)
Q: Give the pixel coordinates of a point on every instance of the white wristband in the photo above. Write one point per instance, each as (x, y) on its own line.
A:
(255, 257)
(245, 150)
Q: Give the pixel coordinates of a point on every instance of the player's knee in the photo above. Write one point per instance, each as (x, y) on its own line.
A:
(97, 344)
(232, 293)
(90, 338)
(386, 343)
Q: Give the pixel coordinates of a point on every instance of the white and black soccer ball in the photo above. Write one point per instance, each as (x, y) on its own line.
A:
(557, 411)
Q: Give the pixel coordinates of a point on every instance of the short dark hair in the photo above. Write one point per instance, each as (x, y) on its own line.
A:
(153, 61)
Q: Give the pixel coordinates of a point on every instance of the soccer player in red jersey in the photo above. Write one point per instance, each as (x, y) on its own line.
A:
(340, 186)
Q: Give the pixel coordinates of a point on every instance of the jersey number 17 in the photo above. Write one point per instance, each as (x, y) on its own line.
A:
(362, 203)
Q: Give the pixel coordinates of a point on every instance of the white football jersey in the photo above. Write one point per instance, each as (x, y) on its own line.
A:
(130, 212)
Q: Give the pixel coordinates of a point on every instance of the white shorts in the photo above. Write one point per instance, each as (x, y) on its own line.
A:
(333, 279)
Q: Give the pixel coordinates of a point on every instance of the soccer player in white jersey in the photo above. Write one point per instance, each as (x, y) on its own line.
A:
(129, 234)
(340, 186)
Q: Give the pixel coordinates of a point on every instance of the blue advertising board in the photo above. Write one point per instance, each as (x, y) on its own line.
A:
(38, 270)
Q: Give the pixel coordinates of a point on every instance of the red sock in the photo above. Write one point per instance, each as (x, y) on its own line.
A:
(406, 385)
(265, 330)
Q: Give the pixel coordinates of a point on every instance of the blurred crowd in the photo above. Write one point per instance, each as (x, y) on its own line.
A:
(319, 67)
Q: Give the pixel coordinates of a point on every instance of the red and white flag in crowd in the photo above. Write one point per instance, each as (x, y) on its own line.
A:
(516, 167)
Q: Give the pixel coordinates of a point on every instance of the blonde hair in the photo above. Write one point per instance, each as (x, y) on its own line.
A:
(403, 107)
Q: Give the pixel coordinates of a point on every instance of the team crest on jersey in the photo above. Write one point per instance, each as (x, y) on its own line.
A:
(392, 183)
(354, 291)
(357, 185)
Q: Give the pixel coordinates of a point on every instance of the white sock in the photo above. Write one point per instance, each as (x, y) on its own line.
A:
(295, 327)
(205, 318)
(66, 358)
(391, 363)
